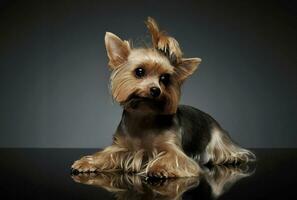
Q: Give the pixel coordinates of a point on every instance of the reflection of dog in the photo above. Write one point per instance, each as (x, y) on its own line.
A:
(156, 136)
(129, 186)
(221, 177)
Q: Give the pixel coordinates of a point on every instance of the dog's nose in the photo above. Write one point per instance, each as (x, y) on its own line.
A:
(155, 92)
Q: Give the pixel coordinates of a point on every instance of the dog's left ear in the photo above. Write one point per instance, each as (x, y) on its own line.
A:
(117, 49)
(186, 67)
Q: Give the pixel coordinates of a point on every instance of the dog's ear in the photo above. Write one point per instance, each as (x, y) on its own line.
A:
(117, 50)
(186, 67)
(164, 43)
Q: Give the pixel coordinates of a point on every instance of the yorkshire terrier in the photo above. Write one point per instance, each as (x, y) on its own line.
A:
(157, 137)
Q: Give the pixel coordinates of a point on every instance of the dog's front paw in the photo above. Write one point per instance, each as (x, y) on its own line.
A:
(172, 165)
(159, 171)
(85, 164)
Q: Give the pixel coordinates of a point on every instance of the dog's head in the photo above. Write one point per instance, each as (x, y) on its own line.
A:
(148, 79)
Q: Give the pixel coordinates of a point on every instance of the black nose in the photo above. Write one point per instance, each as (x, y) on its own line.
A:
(155, 92)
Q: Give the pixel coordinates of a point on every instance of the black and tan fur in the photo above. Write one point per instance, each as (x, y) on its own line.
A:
(156, 136)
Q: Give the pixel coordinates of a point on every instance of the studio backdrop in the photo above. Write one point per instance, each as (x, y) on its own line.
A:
(54, 78)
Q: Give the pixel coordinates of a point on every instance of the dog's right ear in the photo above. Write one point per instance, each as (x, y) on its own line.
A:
(117, 50)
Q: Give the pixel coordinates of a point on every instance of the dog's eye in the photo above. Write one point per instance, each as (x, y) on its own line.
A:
(165, 79)
(139, 72)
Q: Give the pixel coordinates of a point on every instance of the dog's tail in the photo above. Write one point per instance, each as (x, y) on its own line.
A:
(222, 150)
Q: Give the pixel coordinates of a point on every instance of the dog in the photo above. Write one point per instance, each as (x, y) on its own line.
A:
(156, 136)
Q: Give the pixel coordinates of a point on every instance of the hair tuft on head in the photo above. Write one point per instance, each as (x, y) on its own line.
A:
(164, 43)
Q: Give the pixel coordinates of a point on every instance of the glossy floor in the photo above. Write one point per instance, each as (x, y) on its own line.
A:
(45, 174)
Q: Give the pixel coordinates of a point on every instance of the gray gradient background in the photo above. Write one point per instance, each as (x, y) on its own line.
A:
(54, 75)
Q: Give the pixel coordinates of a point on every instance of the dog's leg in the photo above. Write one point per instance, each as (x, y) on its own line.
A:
(116, 157)
(109, 159)
(172, 162)
(221, 149)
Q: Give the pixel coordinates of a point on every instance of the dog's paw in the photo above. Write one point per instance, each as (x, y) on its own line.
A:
(85, 164)
(173, 166)
(159, 172)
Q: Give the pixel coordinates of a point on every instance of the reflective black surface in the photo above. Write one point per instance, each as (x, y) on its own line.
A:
(45, 174)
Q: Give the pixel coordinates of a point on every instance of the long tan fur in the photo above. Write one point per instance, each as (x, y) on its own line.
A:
(163, 42)
(222, 150)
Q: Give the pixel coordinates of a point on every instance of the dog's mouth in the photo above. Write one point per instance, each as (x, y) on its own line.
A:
(134, 97)
(138, 102)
